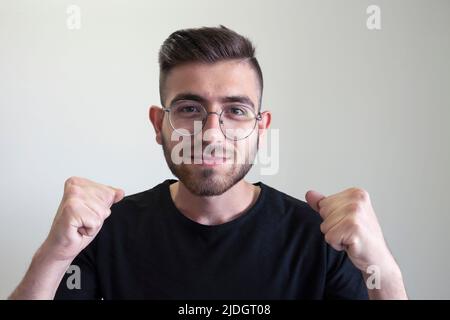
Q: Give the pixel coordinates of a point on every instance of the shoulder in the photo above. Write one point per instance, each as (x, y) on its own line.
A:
(143, 198)
(140, 203)
(290, 206)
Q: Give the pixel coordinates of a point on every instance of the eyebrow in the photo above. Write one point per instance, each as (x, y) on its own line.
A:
(195, 97)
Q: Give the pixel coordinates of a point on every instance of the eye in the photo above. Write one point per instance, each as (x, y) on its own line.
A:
(237, 111)
(188, 109)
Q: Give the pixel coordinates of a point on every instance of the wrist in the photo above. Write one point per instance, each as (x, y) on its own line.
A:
(46, 257)
(53, 252)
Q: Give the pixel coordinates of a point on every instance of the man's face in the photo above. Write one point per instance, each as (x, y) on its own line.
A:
(214, 163)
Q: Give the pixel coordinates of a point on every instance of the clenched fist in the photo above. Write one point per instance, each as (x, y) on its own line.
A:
(350, 224)
(83, 209)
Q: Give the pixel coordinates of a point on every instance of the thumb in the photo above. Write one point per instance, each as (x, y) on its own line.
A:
(313, 198)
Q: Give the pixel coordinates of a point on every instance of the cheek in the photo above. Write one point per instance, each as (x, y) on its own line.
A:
(247, 147)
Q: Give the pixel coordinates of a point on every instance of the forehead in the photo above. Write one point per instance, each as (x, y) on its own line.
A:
(212, 81)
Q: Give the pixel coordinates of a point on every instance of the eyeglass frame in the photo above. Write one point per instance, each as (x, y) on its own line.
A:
(258, 117)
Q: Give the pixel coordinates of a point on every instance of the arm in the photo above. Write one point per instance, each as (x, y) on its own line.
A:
(390, 284)
(80, 216)
(42, 278)
(350, 224)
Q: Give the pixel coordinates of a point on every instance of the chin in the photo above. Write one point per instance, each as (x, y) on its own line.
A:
(205, 182)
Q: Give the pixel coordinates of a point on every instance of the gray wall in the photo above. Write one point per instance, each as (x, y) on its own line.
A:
(354, 107)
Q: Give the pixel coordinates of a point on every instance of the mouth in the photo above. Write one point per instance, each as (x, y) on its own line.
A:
(209, 161)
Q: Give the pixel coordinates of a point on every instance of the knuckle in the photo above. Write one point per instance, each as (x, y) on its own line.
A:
(102, 213)
(107, 213)
(72, 204)
(328, 237)
(106, 195)
(110, 196)
(97, 221)
(71, 181)
(74, 190)
(360, 194)
(354, 208)
(322, 227)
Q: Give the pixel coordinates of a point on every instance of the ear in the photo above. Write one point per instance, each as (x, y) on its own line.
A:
(156, 116)
(264, 124)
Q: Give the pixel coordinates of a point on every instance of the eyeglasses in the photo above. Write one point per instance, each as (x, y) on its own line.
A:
(236, 121)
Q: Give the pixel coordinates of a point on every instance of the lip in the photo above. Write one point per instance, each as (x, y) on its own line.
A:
(209, 161)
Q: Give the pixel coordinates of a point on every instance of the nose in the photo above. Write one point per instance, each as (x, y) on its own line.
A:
(211, 128)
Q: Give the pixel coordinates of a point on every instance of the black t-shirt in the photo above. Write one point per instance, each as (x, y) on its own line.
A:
(147, 249)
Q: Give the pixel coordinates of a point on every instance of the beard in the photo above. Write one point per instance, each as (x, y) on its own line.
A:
(207, 182)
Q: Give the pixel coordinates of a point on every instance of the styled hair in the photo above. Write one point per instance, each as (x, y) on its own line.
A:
(206, 45)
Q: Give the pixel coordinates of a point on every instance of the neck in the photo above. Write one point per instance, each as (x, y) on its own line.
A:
(214, 210)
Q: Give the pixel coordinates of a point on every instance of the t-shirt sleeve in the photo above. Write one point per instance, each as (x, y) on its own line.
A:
(344, 280)
(80, 280)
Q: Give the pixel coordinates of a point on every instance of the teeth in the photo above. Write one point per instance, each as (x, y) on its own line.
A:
(209, 158)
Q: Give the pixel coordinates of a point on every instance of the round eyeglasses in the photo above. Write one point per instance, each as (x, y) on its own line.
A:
(236, 121)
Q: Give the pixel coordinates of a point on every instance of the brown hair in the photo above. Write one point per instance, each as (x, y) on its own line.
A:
(208, 45)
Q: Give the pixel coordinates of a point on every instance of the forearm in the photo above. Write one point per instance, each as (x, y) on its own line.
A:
(391, 286)
(42, 278)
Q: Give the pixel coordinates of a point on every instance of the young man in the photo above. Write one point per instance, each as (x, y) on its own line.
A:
(211, 234)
